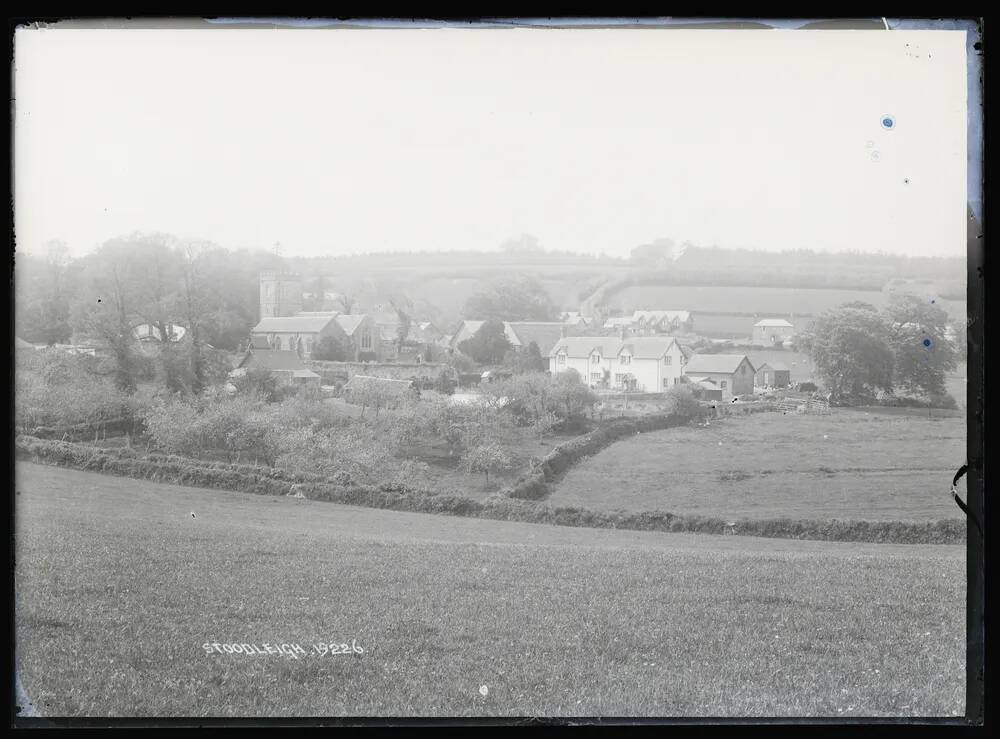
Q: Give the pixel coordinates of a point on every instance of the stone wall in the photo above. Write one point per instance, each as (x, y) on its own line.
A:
(340, 372)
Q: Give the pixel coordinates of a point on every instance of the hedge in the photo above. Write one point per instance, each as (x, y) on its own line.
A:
(84, 431)
(395, 496)
(556, 463)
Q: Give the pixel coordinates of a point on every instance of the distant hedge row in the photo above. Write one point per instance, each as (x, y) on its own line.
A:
(532, 486)
(268, 481)
(85, 431)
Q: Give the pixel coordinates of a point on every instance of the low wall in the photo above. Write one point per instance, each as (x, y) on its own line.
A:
(333, 372)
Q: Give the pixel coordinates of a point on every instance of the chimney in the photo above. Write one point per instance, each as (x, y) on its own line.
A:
(621, 332)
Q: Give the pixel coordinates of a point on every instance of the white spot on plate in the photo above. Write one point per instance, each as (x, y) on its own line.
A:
(484, 691)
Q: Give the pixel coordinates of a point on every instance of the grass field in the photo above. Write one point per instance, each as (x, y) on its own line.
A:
(119, 587)
(776, 301)
(848, 464)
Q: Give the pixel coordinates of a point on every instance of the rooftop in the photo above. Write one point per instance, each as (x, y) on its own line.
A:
(727, 364)
(774, 322)
(307, 324)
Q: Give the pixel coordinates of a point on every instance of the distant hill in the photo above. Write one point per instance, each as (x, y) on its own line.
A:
(437, 284)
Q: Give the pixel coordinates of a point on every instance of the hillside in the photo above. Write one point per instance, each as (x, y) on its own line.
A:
(473, 617)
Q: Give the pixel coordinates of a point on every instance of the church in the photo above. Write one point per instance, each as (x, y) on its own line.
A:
(285, 326)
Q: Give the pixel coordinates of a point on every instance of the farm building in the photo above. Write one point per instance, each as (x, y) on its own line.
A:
(772, 331)
(285, 365)
(773, 374)
(705, 388)
(652, 322)
(646, 363)
(733, 373)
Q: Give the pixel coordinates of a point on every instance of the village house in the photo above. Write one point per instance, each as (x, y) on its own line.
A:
(640, 363)
(652, 322)
(283, 364)
(772, 374)
(146, 332)
(733, 373)
(772, 331)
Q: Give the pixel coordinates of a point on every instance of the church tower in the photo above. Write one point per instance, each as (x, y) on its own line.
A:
(280, 294)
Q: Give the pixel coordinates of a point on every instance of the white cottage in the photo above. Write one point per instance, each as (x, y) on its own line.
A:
(642, 363)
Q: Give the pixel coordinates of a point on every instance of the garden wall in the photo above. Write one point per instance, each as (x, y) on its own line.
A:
(332, 372)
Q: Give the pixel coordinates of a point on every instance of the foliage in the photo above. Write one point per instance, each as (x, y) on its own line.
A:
(489, 345)
(518, 298)
(330, 349)
(529, 359)
(487, 456)
(56, 389)
(259, 382)
(918, 335)
(850, 347)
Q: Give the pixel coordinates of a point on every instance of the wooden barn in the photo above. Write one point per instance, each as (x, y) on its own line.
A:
(773, 374)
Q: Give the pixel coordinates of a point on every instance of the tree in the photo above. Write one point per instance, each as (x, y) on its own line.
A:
(512, 299)
(43, 291)
(653, 254)
(403, 327)
(571, 399)
(918, 334)
(523, 244)
(108, 305)
(486, 457)
(329, 349)
(529, 359)
(488, 345)
(850, 346)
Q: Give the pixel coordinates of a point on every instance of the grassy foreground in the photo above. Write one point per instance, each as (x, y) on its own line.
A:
(119, 586)
(848, 464)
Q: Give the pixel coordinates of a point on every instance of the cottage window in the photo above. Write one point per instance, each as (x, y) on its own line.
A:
(561, 360)
(626, 359)
(366, 341)
(668, 360)
(722, 384)
(595, 358)
(595, 376)
(666, 382)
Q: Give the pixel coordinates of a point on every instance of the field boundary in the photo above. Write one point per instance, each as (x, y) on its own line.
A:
(269, 481)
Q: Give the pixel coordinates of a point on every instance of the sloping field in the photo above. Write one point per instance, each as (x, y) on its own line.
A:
(848, 464)
(119, 588)
(766, 301)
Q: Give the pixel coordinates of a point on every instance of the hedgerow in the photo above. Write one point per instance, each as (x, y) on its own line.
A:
(270, 481)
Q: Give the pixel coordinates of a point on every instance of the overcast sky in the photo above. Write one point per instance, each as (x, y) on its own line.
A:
(345, 141)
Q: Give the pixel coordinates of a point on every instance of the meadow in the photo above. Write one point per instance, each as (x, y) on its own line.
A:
(847, 464)
(120, 584)
(766, 301)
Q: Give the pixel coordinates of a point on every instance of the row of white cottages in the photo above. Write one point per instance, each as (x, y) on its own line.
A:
(649, 364)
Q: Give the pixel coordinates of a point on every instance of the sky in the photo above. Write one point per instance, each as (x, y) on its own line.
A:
(343, 141)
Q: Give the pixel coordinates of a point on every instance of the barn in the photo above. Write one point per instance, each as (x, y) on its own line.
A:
(733, 373)
(773, 374)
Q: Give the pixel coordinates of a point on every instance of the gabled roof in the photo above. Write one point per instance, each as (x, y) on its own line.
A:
(774, 323)
(777, 366)
(392, 386)
(647, 347)
(272, 359)
(726, 364)
(350, 322)
(584, 346)
(301, 324)
(659, 315)
(466, 331)
(544, 333)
